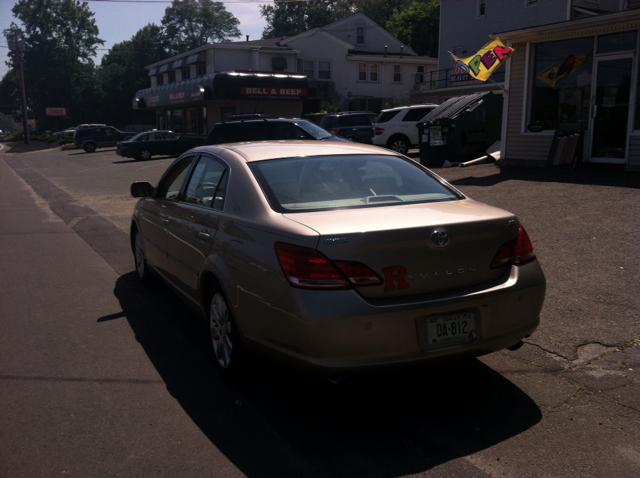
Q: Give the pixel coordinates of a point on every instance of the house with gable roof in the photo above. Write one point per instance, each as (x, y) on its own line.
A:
(356, 64)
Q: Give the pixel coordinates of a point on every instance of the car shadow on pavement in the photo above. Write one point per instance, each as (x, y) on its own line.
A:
(282, 423)
(596, 175)
(153, 158)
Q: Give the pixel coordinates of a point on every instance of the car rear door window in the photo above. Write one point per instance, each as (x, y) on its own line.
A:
(416, 114)
(207, 185)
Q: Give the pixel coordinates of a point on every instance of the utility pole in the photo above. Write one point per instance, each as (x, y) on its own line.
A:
(17, 46)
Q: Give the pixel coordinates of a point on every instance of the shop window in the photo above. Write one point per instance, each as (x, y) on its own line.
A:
(324, 70)
(172, 76)
(561, 85)
(191, 121)
(615, 42)
(160, 121)
(178, 121)
(186, 72)
(160, 79)
(203, 127)
(360, 35)
(310, 68)
(397, 73)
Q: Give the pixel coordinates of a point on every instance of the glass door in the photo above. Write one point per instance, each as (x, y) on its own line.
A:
(610, 108)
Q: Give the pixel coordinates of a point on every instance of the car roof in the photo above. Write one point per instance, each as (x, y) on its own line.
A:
(409, 106)
(263, 150)
(264, 120)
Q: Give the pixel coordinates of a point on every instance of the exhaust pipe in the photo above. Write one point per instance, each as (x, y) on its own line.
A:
(516, 346)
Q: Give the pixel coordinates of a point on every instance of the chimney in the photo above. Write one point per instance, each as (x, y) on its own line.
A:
(247, 37)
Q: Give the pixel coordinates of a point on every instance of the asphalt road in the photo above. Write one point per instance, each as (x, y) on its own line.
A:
(100, 377)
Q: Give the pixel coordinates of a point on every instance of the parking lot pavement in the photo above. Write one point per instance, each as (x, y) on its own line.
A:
(565, 404)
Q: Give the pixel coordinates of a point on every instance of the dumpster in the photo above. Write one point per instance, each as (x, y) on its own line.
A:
(460, 129)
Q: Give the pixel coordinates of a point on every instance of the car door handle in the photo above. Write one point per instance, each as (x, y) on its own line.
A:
(164, 219)
(204, 235)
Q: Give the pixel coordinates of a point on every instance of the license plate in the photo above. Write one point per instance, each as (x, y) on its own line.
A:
(451, 328)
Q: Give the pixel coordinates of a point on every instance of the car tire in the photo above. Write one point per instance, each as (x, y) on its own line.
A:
(145, 276)
(144, 155)
(399, 144)
(229, 354)
(89, 147)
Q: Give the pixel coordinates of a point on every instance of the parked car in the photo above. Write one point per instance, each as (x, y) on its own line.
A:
(91, 137)
(334, 256)
(265, 129)
(354, 125)
(152, 143)
(67, 133)
(396, 128)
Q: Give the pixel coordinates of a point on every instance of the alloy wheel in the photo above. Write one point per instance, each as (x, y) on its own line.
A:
(221, 330)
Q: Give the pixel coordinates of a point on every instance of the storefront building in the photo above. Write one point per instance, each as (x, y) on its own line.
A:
(578, 77)
(193, 91)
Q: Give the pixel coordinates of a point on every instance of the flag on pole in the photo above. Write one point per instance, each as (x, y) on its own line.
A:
(481, 65)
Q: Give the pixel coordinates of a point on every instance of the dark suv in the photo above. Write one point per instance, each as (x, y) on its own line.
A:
(91, 137)
(266, 129)
(353, 125)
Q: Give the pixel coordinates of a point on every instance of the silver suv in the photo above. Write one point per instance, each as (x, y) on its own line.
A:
(396, 128)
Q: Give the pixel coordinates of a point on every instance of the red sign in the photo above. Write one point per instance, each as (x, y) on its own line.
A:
(459, 77)
(277, 92)
(180, 95)
(56, 112)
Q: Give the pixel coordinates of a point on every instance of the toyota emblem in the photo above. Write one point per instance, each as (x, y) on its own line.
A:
(440, 238)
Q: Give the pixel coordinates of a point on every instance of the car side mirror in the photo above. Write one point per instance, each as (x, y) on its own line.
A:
(142, 189)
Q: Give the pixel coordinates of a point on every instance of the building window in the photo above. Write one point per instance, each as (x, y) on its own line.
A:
(324, 70)
(300, 65)
(482, 8)
(373, 69)
(310, 68)
(191, 121)
(201, 68)
(397, 73)
(160, 79)
(172, 76)
(359, 35)
(362, 71)
(420, 74)
(615, 42)
(561, 85)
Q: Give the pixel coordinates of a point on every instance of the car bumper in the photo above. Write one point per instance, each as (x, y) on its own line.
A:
(339, 331)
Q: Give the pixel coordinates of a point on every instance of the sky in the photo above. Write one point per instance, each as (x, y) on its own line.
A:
(119, 20)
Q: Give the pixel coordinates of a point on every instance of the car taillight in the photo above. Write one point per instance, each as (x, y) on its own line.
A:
(378, 131)
(335, 130)
(309, 269)
(516, 252)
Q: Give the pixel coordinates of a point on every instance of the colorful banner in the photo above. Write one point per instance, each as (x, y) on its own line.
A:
(481, 65)
(552, 75)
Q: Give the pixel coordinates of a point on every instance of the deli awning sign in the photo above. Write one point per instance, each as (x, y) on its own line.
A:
(56, 112)
(273, 92)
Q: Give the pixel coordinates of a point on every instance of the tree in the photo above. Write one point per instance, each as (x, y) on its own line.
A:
(418, 25)
(61, 38)
(291, 18)
(122, 73)
(380, 11)
(189, 24)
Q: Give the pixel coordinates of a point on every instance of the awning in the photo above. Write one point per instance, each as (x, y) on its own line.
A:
(178, 64)
(197, 58)
(225, 86)
(164, 68)
(153, 71)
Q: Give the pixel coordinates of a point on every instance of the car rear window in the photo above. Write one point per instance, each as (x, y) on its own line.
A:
(346, 181)
(416, 114)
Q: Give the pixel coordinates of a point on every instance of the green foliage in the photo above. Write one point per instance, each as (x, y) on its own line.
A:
(291, 18)
(6, 122)
(418, 26)
(61, 38)
(17, 135)
(189, 24)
